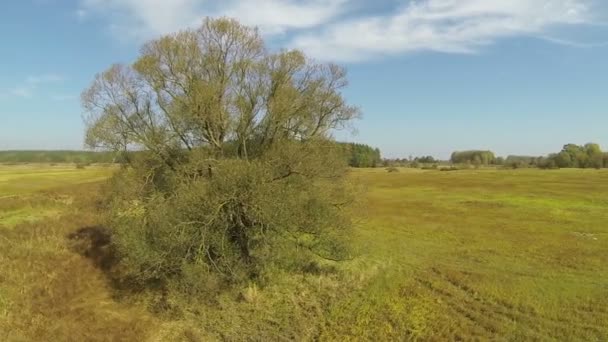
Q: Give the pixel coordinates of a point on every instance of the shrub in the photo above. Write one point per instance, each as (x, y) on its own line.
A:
(228, 224)
(392, 169)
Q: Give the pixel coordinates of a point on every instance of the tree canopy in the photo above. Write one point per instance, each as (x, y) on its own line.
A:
(575, 156)
(474, 157)
(212, 85)
(361, 155)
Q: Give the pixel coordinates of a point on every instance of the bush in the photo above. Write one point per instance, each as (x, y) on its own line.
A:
(392, 169)
(451, 168)
(227, 224)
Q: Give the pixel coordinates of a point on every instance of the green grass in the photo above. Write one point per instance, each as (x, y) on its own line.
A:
(22, 187)
(470, 255)
(483, 254)
(26, 179)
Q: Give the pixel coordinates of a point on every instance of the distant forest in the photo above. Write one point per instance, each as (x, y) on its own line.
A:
(362, 155)
(571, 156)
(357, 155)
(77, 157)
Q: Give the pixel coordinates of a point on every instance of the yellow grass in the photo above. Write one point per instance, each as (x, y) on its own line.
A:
(474, 254)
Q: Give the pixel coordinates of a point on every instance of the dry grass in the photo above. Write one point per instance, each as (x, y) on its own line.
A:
(463, 255)
(50, 293)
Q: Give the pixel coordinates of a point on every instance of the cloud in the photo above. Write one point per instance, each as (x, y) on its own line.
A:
(449, 26)
(45, 78)
(144, 19)
(28, 87)
(21, 91)
(278, 16)
(332, 30)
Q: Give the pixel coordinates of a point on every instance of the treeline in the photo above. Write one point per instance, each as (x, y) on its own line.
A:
(361, 155)
(473, 157)
(571, 156)
(357, 155)
(575, 156)
(413, 162)
(78, 157)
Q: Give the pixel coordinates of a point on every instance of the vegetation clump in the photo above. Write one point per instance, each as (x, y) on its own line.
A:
(237, 173)
(361, 155)
(474, 157)
(574, 156)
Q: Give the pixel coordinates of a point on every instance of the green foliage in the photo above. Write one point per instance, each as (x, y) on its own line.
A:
(227, 222)
(473, 157)
(574, 156)
(517, 162)
(417, 162)
(361, 155)
(426, 160)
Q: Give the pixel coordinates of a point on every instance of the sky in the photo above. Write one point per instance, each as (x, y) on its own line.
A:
(430, 76)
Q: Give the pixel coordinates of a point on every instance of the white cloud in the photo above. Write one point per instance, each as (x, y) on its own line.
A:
(21, 91)
(45, 78)
(327, 30)
(278, 16)
(452, 26)
(144, 19)
(28, 87)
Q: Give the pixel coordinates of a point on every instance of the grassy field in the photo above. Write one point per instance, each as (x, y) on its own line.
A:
(22, 186)
(489, 253)
(463, 255)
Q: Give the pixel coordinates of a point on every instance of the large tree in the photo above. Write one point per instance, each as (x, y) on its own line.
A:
(237, 166)
(588, 156)
(473, 157)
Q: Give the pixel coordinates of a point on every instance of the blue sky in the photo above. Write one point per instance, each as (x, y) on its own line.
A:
(431, 76)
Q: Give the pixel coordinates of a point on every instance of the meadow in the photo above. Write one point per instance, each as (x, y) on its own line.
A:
(464, 255)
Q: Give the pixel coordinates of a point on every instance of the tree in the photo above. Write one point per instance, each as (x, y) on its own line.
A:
(588, 156)
(237, 171)
(426, 160)
(361, 155)
(521, 161)
(594, 156)
(473, 157)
